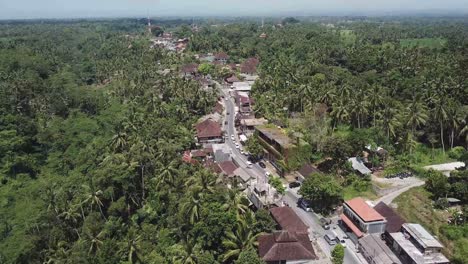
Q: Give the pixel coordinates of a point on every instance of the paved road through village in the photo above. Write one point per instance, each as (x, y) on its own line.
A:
(291, 197)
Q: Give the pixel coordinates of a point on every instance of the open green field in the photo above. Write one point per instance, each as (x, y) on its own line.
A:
(350, 192)
(415, 206)
(433, 43)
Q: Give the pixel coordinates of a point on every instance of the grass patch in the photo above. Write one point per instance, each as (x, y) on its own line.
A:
(415, 206)
(432, 43)
(350, 192)
(424, 156)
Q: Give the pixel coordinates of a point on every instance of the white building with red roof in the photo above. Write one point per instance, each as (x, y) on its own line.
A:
(361, 218)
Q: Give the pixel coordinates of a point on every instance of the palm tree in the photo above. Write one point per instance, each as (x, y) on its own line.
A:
(131, 246)
(236, 200)
(375, 100)
(193, 206)
(416, 113)
(202, 179)
(93, 197)
(238, 240)
(167, 174)
(94, 241)
(440, 113)
(189, 255)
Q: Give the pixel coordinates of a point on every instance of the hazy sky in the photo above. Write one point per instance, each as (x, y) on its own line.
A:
(110, 8)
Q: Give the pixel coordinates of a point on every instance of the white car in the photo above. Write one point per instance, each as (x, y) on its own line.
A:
(267, 174)
(249, 164)
(232, 137)
(225, 99)
(237, 146)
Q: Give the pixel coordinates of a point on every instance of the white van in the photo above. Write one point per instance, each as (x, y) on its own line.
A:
(330, 239)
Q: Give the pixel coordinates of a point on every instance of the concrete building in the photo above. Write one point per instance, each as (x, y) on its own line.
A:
(277, 145)
(362, 219)
(414, 245)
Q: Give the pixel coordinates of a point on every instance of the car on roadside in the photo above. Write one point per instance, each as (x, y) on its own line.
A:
(227, 113)
(341, 241)
(249, 164)
(304, 204)
(232, 137)
(294, 184)
(262, 165)
(267, 174)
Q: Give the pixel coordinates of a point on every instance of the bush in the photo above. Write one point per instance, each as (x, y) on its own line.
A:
(456, 152)
(338, 254)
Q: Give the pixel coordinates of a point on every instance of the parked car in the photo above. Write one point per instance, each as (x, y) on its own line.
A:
(294, 184)
(331, 240)
(267, 174)
(232, 137)
(341, 241)
(304, 204)
(227, 113)
(261, 164)
(249, 164)
(325, 223)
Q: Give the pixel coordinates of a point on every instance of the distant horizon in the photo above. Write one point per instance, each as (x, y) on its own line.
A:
(408, 13)
(62, 9)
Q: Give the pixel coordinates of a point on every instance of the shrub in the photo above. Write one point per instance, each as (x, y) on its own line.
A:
(456, 152)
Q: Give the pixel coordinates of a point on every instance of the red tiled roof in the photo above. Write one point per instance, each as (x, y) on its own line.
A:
(218, 108)
(284, 245)
(363, 210)
(232, 79)
(228, 167)
(190, 68)
(209, 164)
(248, 67)
(198, 153)
(221, 56)
(351, 226)
(288, 219)
(208, 128)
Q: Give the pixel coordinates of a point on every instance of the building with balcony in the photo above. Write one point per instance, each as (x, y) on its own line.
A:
(362, 219)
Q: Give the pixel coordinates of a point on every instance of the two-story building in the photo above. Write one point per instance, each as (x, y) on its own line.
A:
(221, 58)
(362, 219)
(209, 131)
(414, 245)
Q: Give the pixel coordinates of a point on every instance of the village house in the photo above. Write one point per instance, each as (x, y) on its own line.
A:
(190, 70)
(221, 58)
(249, 66)
(286, 247)
(362, 219)
(209, 131)
(288, 220)
(305, 171)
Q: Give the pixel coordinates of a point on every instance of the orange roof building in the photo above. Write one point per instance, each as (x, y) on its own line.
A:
(362, 219)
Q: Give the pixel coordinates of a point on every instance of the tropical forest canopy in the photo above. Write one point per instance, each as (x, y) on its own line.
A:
(92, 133)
